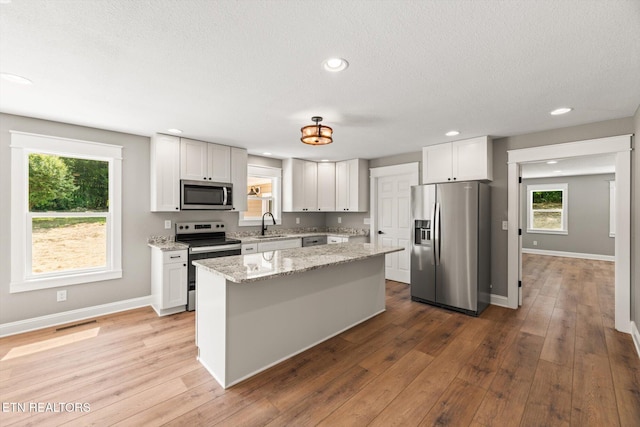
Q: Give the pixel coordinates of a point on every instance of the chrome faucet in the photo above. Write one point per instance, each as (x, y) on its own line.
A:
(264, 227)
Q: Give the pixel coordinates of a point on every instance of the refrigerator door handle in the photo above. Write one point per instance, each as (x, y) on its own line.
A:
(432, 236)
(436, 227)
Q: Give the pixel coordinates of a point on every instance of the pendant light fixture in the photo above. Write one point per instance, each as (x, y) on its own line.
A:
(316, 134)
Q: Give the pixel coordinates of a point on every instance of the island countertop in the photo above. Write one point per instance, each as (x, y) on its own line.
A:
(271, 264)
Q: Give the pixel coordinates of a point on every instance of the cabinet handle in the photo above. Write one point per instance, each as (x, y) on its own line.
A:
(454, 178)
(177, 208)
(184, 265)
(205, 178)
(175, 256)
(448, 179)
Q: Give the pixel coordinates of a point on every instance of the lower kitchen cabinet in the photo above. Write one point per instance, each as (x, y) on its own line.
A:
(352, 239)
(168, 281)
(279, 244)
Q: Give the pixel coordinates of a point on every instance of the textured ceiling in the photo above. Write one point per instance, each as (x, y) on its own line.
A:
(248, 73)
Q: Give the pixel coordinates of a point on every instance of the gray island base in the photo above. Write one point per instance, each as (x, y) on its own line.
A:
(255, 311)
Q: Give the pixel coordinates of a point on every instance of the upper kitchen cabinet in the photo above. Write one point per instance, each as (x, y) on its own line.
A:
(352, 185)
(300, 181)
(326, 187)
(239, 178)
(165, 173)
(465, 160)
(204, 161)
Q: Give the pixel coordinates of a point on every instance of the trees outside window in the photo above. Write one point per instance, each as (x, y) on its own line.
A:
(547, 208)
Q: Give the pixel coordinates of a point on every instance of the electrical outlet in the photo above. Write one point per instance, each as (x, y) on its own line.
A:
(61, 296)
(297, 220)
(339, 220)
(367, 221)
(535, 243)
(167, 224)
(505, 225)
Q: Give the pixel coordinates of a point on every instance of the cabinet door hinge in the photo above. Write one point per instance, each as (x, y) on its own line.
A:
(519, 231)
(519, 283)
(519, 180)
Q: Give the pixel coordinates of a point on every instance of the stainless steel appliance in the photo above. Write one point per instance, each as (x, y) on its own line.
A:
(200, 195)
(205, 240)
(451, 251)
(314, 241)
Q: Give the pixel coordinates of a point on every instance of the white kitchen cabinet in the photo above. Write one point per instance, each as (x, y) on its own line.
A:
(249, 248)
(336, 239)
(300, 181)
(204, 161)
(239, 178)
(327, 186)
(465, 160)
(352, 185)
(165, 173)
(352, 239)
(168, 281)
(279, 244)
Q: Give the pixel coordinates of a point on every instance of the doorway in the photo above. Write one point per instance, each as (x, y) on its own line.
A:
(618, 145)
(391, 215)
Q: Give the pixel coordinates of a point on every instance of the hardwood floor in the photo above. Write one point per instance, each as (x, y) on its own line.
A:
(555, 361)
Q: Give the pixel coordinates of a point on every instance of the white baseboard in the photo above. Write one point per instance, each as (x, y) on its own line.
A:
(47, 321)
(499, 300)
(635, 334)
(569, 254)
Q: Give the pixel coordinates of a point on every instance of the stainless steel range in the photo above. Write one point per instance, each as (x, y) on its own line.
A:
(205, 240)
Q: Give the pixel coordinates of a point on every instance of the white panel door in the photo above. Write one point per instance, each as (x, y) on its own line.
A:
(394, 228)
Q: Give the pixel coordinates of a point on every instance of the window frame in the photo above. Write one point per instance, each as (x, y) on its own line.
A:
(22, 145)
(564, 187)
(276, 191)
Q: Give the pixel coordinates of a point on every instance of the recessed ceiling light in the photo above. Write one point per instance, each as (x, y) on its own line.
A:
(174, 130)
(266, 154)
(335, 64)
(13, 78)
(452, 133)
(552, 162)
(558, 111)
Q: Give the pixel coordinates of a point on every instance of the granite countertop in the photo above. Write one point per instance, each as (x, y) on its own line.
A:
(272, 264)
(166, 243)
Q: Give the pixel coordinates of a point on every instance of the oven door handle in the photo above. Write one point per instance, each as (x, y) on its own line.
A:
(220, 248)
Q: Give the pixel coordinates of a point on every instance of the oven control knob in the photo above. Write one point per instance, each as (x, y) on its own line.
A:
(186, 227)
(181, 227)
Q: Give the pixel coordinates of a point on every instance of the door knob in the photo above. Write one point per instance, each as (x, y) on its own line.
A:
(380, 232)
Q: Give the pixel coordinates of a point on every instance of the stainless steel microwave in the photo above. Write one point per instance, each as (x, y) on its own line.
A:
(200, 195)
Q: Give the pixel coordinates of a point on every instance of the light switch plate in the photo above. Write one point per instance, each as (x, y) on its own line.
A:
(339, 220)
(167, 224)
(505, 225)
(297, 220)
(367, 221)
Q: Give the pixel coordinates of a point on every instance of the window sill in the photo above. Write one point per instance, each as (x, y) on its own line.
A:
(67, 280)
(535, 231)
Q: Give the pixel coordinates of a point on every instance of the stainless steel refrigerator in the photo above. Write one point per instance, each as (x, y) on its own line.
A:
(451, 251)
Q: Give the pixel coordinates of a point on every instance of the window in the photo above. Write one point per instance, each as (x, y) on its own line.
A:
(263, 195)
(547, 208)
(65, 212)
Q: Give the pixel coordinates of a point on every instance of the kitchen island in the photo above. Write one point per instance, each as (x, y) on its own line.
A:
(254, 311)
